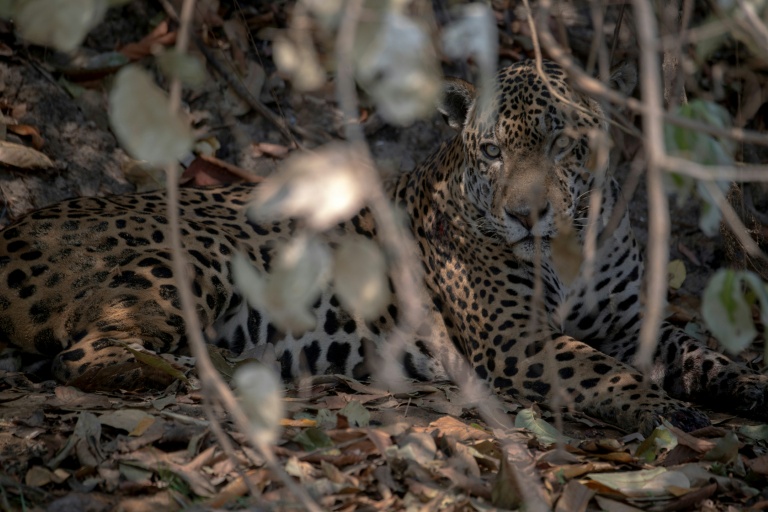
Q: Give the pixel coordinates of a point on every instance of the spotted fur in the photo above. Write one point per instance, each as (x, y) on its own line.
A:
(81, 277)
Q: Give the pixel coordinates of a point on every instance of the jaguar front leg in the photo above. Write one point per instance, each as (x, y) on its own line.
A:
(106, 364)
(137, 304)
(690, 371)
(597, 384)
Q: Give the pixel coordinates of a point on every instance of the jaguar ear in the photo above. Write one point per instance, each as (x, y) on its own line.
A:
(458, 96)
(624, 78)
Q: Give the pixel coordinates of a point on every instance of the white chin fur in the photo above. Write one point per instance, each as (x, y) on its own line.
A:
(526, 249)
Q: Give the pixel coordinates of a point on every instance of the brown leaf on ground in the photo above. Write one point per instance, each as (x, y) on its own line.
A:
(161, 35)
(23, 157)
(205, 171)
(25, 130)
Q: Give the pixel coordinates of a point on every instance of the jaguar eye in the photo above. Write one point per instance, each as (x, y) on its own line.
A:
(491, 151)
(562, 142)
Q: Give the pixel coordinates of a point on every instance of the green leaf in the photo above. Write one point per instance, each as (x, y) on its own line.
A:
(756, 432)
(326, 418)
(313, 438)
(701, 148)
(7, 8)
(727, 308)
(544, 432)
(726, 449)
(187, 68)
(661, 440)
(157, 362)
(356, 414)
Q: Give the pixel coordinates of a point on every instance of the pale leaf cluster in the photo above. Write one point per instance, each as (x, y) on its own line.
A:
(303, 267)
(300, 271)
(187, 68)
(701, 148)
(473, 35)
(261, 397)
(60, 24)
(321, 187)
(396, 64)
(142, 121)
(727, 307)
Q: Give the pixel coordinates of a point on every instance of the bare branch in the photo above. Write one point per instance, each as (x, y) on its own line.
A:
(393, 239)
(658, 208)
(213, 387)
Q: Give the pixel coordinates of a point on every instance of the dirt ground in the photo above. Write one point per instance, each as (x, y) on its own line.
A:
(62, 449)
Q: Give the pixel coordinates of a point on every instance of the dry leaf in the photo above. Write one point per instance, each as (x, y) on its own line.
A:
(143, 48)
(23, 157)
(133, 421)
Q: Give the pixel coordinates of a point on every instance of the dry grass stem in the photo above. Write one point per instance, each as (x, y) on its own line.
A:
(395, 241)
(214, 389)
(658, 208)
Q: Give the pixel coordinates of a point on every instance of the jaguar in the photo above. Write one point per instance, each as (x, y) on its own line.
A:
(83, 279)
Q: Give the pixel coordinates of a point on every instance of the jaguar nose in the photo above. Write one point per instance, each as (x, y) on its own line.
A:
(525, 215)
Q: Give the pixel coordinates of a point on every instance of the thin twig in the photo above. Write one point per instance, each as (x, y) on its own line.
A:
(658, 208)
(714, 172)
(733, 221)
(393, 239)
(213, 387)
(285, 129)
(596, 88)
(559, 394)
(617, 32)
(753, 24)
(230, 77)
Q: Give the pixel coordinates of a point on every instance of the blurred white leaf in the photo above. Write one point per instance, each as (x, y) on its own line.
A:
(322, 187)
(474, 35)
(727, 307)
(327, 12)
(261, 396)
(298, 59)
(187, 68)
(61, 24)
(141, 119)
(360, 276)
(301, 269)
(248, 280)
(397, 66)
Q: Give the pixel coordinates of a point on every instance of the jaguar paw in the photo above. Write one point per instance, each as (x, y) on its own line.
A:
(750, 397)
(688, 419)
(128, 376)
(681, 416)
